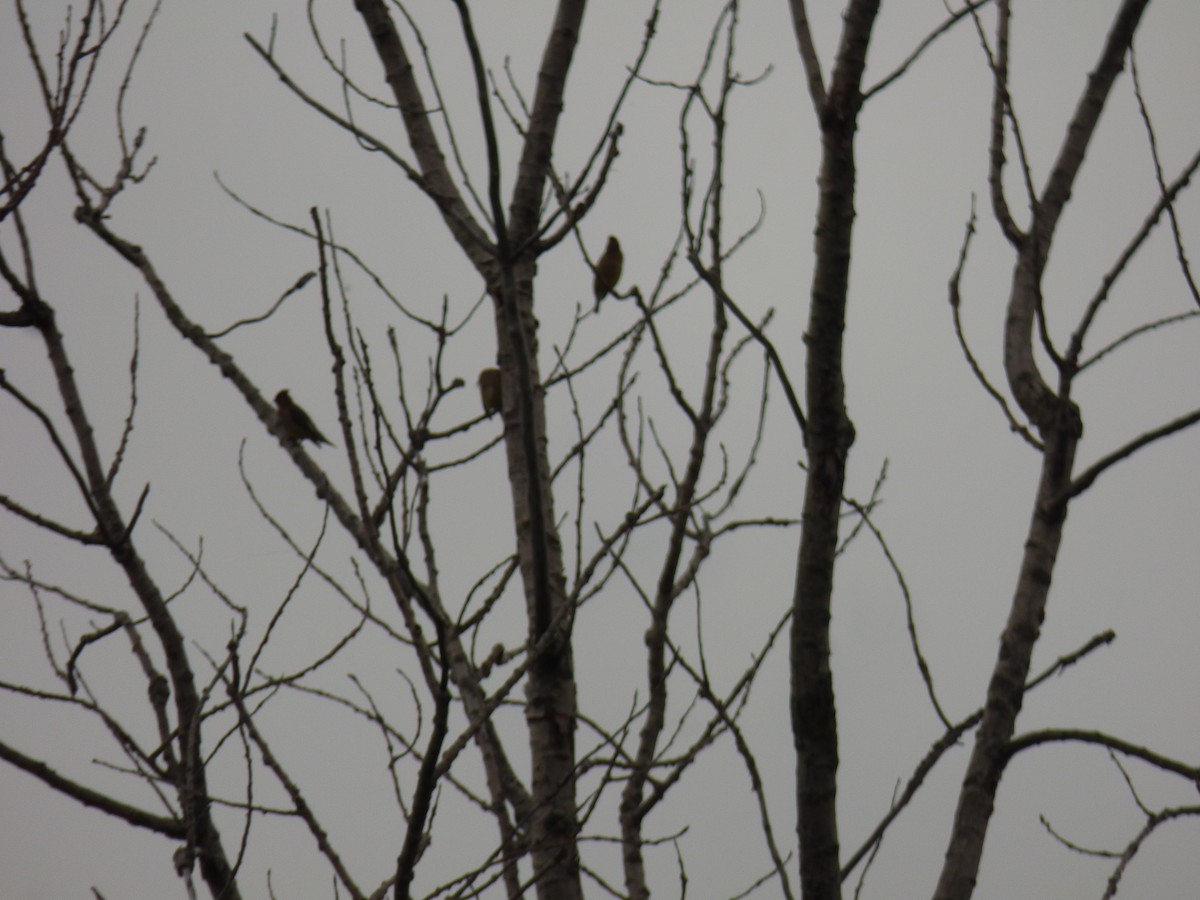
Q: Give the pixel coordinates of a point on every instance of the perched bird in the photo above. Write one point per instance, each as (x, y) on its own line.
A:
(295, 422)
(490, 392)
(608, 270)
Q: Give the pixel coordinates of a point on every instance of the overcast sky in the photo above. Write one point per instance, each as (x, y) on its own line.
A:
(956, 502)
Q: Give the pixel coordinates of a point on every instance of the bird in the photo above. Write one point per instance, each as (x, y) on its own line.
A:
(608, 270)
(294, 421)
(490, 391)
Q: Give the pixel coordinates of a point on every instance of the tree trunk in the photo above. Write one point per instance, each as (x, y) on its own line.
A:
(550, 687)
(828, 437)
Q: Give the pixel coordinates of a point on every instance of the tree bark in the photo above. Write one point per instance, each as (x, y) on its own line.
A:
(1006, 690)
(550, 683)
(828, 438)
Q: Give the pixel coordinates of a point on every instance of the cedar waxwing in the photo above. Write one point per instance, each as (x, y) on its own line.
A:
(608, 270)
(490, 391)
(295, 422)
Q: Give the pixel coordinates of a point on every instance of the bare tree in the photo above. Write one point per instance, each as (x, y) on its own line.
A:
(395, 458)
(1052, 423)
(1048, 408)
(632, 497)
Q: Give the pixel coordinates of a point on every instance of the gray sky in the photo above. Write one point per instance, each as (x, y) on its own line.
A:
(956, 503)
